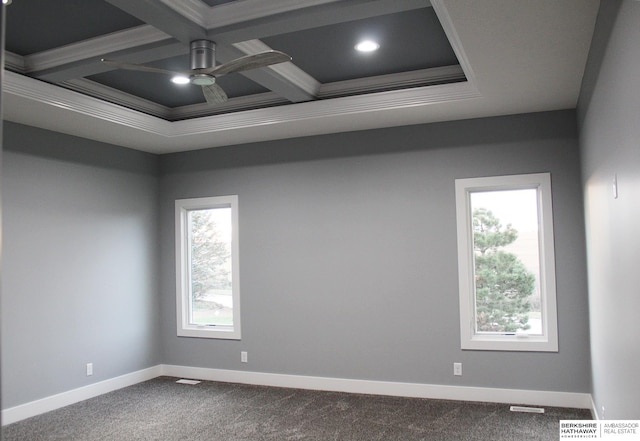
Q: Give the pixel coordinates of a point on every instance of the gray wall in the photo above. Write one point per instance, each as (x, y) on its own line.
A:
(80, 261)
(609, 138)
(347, 247)
(348, 261)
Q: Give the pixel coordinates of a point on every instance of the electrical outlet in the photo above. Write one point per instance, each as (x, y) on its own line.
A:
(89, 369)
(457, 369)
(243, 357)
(602, 414)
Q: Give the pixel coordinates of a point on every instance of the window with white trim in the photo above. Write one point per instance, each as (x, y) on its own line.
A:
(207, 285)
(506, 263)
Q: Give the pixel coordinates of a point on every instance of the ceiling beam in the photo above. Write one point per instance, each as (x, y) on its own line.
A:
(92, 65)
(168, 20)
(142, 44)
(227, 14)
(163, 18)
(286, 79)
(94, 47)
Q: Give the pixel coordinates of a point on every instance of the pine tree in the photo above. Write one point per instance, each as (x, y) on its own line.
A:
(503, 283)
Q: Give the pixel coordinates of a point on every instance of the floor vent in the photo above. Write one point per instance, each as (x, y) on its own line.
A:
(526, 409)
(185, 381)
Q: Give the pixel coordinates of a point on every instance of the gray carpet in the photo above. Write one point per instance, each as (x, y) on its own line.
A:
(162, 410)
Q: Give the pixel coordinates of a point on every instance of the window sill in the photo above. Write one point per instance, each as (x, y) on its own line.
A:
(510, 343)
(219, 332)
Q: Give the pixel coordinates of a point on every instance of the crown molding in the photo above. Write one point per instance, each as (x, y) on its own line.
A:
(416, 78)
(116, 96)
(423, 77)
(58, 99)
(236, 104)
(119, 97)
(336, 107)
(454, 38)
(14, 62)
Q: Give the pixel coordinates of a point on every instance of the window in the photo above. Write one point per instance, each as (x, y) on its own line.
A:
(506, 263)
(208, 296)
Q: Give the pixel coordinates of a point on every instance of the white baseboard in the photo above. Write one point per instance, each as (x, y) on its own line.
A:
(33, 408)
(390, 388)
(414, 390)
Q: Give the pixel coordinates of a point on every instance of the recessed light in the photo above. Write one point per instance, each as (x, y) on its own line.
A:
(180, 79)
(6, 2)
(367, 46)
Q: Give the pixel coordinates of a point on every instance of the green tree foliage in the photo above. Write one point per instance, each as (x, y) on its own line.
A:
(503, 284)
(210, 255)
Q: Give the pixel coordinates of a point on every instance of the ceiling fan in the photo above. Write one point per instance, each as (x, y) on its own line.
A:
(203, 70)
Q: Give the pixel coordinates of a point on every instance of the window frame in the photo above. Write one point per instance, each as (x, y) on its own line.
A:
(182, 245)
(548, 341)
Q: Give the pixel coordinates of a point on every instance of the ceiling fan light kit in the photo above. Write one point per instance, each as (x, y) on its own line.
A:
(202, 80)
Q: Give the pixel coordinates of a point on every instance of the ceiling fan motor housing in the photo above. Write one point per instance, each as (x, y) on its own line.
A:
(202, 54)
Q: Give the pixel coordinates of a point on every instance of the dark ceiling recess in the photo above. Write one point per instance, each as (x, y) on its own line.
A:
(40, 25)
(414, 50)
(408, 41)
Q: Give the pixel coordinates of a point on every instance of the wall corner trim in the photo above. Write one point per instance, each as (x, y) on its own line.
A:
(594, 410)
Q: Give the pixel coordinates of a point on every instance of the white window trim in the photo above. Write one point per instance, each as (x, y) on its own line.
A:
(548, 342)
(182, 207)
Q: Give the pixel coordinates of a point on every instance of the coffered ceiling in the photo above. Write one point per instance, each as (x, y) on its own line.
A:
(437, 61)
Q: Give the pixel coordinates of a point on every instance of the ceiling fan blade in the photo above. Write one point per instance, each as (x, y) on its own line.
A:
(139, 67)
(248, 62)
(214, 94)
